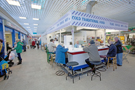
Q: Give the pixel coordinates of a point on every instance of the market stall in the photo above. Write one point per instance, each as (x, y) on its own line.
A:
(75, 20)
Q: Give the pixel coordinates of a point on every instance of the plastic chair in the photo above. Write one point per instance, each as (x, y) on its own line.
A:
(114, 62)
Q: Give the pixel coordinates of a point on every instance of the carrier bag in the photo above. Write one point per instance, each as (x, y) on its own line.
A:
(12, 55)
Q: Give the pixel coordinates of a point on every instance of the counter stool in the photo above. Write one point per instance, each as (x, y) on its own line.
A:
(114, 62)
(71, 64)
(96, 73)
(52, 59)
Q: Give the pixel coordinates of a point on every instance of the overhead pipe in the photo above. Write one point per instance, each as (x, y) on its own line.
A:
(89, 6)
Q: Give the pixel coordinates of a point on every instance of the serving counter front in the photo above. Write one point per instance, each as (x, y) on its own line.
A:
(80, 56)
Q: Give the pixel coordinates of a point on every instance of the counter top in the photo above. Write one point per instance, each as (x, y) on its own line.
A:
(81, 49)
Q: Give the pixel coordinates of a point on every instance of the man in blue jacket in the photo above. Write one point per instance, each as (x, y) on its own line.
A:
(60, 54)
(2, 51)
(111, 52)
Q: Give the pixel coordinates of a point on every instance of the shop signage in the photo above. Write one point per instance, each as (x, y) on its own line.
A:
(17, 32)
(76, 18)
(8, 29)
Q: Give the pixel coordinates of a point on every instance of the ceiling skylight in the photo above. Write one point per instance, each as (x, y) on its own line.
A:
(35, 24)
(11, 2)
(35, 6)
(35, 18)
(26, 23)
(22, 17)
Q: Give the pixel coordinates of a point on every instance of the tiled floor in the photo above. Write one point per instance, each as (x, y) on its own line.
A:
(36, 74)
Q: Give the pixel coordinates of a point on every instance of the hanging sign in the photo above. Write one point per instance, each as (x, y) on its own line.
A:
(76, 18)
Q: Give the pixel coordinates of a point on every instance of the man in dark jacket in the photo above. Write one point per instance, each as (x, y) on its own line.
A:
(118, 44)
(111, 52)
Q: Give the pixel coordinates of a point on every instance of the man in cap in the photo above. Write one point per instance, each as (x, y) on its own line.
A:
(92, 51)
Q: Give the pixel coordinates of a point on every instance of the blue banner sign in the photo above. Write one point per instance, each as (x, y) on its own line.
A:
(76, 18)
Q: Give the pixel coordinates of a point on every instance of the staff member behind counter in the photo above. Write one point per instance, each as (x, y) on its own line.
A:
(92, 51)
(51, 46)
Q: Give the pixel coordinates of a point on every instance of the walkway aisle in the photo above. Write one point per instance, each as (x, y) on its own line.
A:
(36, 74)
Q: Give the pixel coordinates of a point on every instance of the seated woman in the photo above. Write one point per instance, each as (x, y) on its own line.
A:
(60, 54)
(111, 53)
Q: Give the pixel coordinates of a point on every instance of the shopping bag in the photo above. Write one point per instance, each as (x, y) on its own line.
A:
(11, 55)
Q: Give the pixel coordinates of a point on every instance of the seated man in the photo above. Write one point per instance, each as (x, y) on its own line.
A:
(112, 51)
(51, 46)
(60, 54)
(92, 50)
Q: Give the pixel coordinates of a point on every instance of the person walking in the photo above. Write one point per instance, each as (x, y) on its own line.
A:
(118, 45)
(33, 44)
(19, 51)
(2, 51)
(24, 45)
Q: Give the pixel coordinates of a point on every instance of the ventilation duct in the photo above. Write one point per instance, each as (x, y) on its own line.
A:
(89, 6)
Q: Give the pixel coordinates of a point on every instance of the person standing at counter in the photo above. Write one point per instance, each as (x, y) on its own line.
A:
(2, 52)
(77, 44)
(118, 45)
(92, 51)
(51, 46)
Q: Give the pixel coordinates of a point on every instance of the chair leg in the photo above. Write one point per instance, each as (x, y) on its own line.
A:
(116, 64)
(113, 65)
(108, 63)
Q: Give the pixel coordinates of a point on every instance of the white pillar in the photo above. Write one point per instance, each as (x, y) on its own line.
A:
(3, 25)
(60, 36)
(73, 29)
(119, 33)
(95, 35)
(104, 36)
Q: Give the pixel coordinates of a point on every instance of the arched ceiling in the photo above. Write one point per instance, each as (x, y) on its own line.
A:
(52, 10)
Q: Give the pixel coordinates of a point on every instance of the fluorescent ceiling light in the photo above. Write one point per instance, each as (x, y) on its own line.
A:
(22, 17)
(35, 18)
(35, 6)
(35, 27)
(26, 23)
(35, 24)
(28, 27)
(11, 2)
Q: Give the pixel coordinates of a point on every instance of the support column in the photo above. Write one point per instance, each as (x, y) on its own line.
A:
(60, 36)
(73, 29)
(13, 37)
(19, 37)
(119, 33)
(95, 35)
(104, 36)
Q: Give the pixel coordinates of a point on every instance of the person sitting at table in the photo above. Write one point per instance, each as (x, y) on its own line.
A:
(77, 44)
(92, 51)
(60, 54)
(111, 52)
(51, 46)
